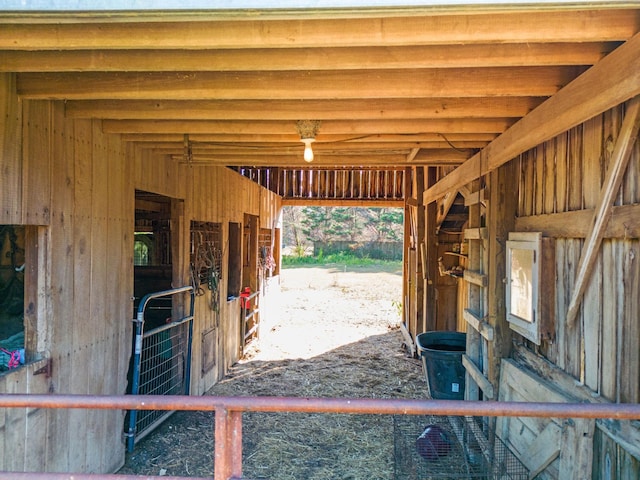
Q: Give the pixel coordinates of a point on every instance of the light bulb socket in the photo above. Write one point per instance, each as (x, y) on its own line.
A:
(307, 129)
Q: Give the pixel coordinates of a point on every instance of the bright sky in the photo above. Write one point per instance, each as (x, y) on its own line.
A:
(85, 5)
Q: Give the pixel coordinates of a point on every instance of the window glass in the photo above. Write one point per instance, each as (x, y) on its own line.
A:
(12, 271)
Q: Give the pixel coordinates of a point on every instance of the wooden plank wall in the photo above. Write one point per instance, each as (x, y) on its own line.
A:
(72, 178)
(77, 186)
(564, 176)
(10, 150)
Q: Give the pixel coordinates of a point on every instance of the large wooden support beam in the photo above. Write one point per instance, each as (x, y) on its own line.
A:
(624, 222)
(329, 127)
(619, 161)
(326, 28)
(612, 81)
(291, 85)
(265, 59)
(345, 109)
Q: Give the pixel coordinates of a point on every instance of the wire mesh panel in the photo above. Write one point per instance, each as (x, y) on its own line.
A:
(439, 447)
(161, 361)
(162, 369)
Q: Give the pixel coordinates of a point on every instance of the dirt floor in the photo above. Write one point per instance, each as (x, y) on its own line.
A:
(337, 336)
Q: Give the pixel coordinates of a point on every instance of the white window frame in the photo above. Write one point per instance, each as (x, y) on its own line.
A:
(525, 321)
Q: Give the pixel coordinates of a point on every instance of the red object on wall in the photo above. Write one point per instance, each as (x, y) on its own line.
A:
(244, 298)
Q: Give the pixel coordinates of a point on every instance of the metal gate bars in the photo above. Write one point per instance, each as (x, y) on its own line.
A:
(161, 361)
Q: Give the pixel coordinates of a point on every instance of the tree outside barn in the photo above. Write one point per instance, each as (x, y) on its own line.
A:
(360, 231)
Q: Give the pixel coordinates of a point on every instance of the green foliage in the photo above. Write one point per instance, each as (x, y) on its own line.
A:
(383, 224)
(305, 225)
(340, 258)
(299, 250)
(316, 223)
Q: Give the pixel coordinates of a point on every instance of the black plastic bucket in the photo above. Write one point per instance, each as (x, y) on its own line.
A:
(441, 354)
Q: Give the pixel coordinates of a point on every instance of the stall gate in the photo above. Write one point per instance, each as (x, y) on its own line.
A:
(161, 359)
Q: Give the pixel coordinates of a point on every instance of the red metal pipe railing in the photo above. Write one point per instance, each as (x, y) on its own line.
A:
(228, 417)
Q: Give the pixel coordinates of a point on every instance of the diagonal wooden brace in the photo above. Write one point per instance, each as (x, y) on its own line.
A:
(602, 212)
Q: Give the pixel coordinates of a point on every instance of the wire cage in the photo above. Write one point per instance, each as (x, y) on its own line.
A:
(440, 447)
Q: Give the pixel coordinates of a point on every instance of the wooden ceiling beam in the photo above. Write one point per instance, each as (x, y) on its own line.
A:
(293, 160)
(294, 138)
(612, 81)
(345, 84)
(346, 109)
(330, 148)
(431, 157)
(412, 29)
(291, 59)
(333, 127)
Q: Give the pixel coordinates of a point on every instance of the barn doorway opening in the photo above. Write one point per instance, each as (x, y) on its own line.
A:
(341, 279)
(163, 311)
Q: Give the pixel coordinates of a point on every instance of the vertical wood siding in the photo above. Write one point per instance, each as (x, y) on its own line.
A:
(564, 175)
(73, 179)
(79, 185)
(601, 350)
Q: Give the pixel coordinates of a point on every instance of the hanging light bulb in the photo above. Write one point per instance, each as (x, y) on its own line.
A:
(307, 129)
(308, 151)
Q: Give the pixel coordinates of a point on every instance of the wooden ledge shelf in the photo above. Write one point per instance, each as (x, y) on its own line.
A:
(475, 233)
(476, 278)
(482, 327)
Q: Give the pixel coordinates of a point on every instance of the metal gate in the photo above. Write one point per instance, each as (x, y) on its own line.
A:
(161, 358)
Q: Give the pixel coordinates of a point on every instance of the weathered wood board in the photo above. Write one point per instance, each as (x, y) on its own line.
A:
(550, 448)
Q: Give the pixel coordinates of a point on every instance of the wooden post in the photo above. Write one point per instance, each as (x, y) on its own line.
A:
(420, 239)
(474, 300)
(405, 252)
(431, 251)
(500, 221)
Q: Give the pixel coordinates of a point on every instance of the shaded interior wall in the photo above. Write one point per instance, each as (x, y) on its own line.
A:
(220, 195)
(72, 181)
(561, 179)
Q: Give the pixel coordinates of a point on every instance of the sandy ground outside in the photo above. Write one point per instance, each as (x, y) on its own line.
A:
(323, 308)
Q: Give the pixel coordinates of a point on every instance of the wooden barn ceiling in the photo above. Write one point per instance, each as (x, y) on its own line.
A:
(390, 87)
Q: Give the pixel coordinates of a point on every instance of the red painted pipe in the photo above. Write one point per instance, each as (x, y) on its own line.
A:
(620, 411)
(228, 417)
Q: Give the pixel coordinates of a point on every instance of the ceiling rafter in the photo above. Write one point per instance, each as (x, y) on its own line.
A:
(335, 127)
(262, 59)
(325, 84)
(399, 86)
(541, 26)
(345, 109)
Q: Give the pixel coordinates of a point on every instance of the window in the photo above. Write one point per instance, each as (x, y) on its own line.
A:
(22, 259)
(12, 272)
(523, 276)
(142, 246)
